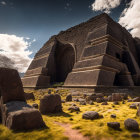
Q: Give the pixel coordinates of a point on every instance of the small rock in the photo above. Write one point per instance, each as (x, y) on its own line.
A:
(91, 115)
(133, 106)
(71, 119)
(74, 108)
(129, 100)
(98, 100)
(84, 95)
(91, 97)
(116, 97)
(109, 98)
(113, 115)
(113, 105)
(91, 102)
(82, 103)
(135, 135)
(116, 103)
(105, 99)
(114, 125)
(73, 104)
(137, 104)
(104, 103)
(137, 99)
(35, 106)
(101, 116)
(131, 125)
(69, 98)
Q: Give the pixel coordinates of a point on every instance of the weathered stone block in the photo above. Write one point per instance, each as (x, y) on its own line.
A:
(50, 104)
(10, 85)
(20, 116)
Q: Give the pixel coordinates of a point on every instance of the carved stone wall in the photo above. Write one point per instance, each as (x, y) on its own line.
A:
(98, 52)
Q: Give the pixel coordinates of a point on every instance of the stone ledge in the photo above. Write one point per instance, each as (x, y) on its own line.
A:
(98, 67)
(98, 55)
(107, 38)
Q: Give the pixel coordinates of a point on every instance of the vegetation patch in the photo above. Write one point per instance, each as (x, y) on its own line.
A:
(94, 129)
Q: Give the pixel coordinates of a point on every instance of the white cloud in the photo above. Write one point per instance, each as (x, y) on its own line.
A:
(105, 5)
(6, 62)
(3, 3)
(130, 18)
(16, 49)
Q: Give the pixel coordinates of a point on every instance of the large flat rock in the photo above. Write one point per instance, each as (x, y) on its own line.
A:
(20, 116)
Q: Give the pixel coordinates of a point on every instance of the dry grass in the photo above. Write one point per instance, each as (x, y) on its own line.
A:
(95, 129)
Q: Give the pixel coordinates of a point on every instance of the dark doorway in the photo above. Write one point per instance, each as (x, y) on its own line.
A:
(126, 58)
(64, 61)
(118, 56)
(116, 80)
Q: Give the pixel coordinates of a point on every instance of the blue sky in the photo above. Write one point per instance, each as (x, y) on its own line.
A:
(40, 19)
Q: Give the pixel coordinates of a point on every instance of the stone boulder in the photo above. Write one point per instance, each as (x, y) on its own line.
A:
(114, 125)
(116, 103)
(99, 100)
(50, 103)
(15, 113)
(109, 98)
(135, 135)
(68, 98)
(104, 103)
(82, 102)
(91, 115)
(137, 99)
(116, 97)
(131, 125)
(129, 100)
(29, 96)
(91, 102)
(113, 115)
(74, 108)
(133, 106)
(19, 116)
(10, 85)
(91, 97)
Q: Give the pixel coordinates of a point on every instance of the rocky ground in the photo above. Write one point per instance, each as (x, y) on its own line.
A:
(84, 116)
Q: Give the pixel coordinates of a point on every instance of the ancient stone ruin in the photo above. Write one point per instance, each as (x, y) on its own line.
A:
(15, 113)
(99, 52)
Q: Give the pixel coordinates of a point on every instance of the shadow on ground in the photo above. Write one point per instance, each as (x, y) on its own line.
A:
(58, 114)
